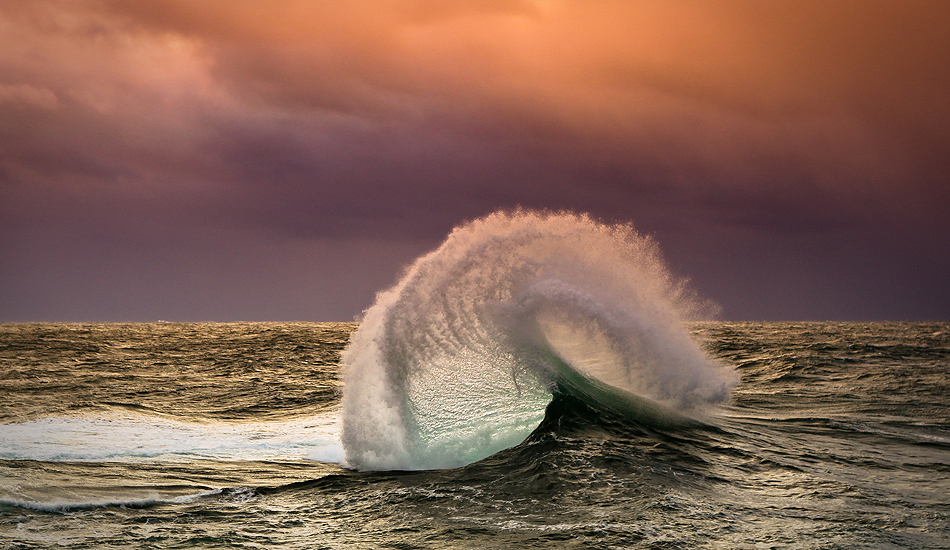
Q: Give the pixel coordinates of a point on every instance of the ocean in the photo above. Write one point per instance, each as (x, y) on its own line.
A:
(538, 381)
(169, 435)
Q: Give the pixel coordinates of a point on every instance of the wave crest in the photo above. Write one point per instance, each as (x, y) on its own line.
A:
(461, 357)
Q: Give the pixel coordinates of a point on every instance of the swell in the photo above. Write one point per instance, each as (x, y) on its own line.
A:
(192, 371)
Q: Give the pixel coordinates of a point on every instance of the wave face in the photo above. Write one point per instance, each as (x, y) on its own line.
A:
(460, 359)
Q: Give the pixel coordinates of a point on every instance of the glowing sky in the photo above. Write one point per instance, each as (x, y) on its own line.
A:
(283, 159)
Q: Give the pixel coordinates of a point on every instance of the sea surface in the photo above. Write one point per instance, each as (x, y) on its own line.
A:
(168, 435)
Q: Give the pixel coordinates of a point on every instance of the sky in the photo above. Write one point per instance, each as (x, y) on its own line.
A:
(277, 160)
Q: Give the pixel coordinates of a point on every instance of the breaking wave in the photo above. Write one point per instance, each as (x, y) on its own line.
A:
(463, 356)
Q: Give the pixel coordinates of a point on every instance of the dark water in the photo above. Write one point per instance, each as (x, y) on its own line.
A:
(227, 436)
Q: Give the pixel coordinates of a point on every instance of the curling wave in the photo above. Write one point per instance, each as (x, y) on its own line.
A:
(461, 358)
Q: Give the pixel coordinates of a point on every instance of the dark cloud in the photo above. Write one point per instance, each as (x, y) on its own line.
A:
(790, 157)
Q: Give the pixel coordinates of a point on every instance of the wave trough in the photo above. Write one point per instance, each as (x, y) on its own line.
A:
(460, 359)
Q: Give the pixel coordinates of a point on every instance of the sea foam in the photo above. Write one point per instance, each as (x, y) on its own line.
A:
(131, 436)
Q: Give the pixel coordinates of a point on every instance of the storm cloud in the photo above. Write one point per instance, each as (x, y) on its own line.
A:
(284, 159)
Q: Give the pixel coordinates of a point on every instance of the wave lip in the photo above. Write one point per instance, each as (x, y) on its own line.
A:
(461, 357)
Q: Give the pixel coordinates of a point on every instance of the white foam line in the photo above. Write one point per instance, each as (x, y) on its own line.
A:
(65, 506)
(136, 436)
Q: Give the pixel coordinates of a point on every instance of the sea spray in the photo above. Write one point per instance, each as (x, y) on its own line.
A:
(460, 358)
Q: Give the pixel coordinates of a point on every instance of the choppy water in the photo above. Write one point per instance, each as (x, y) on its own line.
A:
(227, 436)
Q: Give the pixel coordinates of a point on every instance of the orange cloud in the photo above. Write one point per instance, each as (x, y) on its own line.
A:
(840, 91)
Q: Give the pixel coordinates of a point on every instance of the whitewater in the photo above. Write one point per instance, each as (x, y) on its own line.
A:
(539, 380)
(459, 360)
